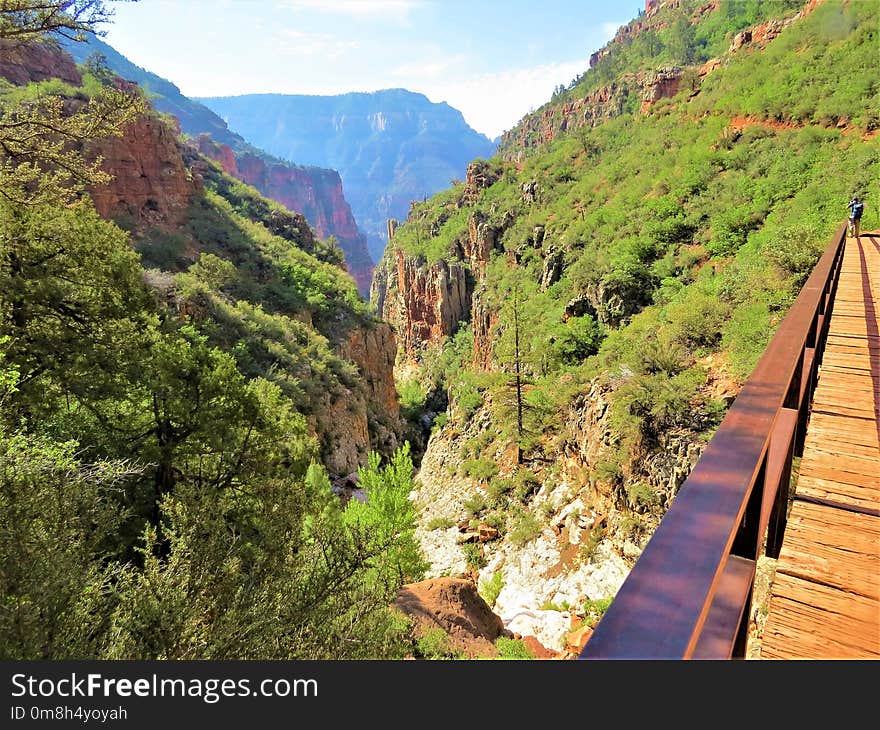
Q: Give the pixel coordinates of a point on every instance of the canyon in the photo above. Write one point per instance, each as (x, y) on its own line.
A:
(316, 192)
(390, 147)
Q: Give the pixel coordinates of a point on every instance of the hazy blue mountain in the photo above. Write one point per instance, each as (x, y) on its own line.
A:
(195, 118)
(314, 191)
(390, 147)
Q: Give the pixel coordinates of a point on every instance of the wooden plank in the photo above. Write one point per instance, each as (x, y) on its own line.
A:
(830, 472)
(848, 494)
(856, 441)
(827, 405)
(861, 398)
(859, 388)
(853, 464)
(833, 547)
(833, 449)
(852, 326)
(852, 429)
(813, 621)
(868, 344)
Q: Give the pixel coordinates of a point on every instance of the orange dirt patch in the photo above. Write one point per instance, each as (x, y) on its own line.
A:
(453, 605)
(567, 557)
(742, 122)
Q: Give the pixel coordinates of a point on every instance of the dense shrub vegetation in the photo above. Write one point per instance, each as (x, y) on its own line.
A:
(161, 492)
(682, 234)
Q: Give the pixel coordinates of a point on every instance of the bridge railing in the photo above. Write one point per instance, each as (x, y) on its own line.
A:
(689, 594)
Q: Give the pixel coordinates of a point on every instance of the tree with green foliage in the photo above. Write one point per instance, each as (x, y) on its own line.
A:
(274, 570)
(43, 155)
(159, 475)
(24, 20)
(59, 526)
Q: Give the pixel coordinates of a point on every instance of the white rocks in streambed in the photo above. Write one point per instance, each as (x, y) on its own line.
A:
(548, 627)
(439, 494)
(442, 551)
(527, 587)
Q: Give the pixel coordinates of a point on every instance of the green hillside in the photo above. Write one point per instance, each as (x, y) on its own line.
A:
(654, 252)
(162, 482)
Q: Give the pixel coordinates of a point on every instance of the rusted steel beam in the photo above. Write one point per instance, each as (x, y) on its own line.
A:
(773, 511)
(725, 618)
(662, 607)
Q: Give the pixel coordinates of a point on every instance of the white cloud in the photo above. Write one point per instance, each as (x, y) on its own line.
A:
(354, 7)
(492, 103)
(291, 42)
(429, 69)
(609, 30)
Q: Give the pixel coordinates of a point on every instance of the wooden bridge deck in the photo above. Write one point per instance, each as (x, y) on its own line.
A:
(825, 597)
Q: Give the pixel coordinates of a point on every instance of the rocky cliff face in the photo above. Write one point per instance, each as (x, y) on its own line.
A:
(314, 192)
(599, 105)
(372, 347)
(150, 185)
(21, 64)
(427, 302)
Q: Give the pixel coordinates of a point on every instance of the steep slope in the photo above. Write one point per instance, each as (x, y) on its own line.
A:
(182, 373)
(316, 192)
(391, 147)
(352, 406)
(178, 205)
(313, 191)
(590, 300)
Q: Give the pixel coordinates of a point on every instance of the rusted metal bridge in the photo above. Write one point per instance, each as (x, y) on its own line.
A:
(812, 402)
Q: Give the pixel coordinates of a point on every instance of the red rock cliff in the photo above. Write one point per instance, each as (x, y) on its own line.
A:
(426, 303)
(315, 192)
(22, 64)
(150, 182)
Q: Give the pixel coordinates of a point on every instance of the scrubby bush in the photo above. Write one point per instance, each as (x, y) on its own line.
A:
(512, 649)
(525, 527)
(481, 469)
(491, 588)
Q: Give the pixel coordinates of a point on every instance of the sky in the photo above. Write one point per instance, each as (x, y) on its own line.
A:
(493, 60)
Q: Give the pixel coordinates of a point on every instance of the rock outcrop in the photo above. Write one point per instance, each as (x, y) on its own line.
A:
(589, 111)
(372, 347)
(150, 185)
(453, 605)
(662, 84)
(542, 126)
(22, 64)
(427, 302)
(313, 191)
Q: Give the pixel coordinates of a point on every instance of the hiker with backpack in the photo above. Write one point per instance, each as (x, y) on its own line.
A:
(856, 207)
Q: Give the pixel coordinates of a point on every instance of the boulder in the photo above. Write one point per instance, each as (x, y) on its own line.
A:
(453, 605)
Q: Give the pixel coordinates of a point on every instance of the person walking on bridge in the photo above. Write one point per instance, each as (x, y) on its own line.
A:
(856, 207)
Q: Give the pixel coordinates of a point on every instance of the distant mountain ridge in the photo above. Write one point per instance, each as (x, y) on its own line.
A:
(391, 147)
(314, 191)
